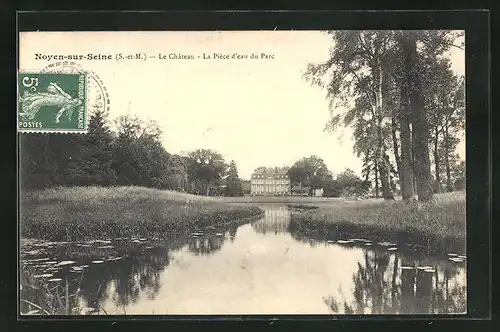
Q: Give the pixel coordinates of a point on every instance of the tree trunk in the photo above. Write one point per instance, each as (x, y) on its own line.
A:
(436, 160)
(449, 185)
(396, 150)
(367, 175)
(407, 184)
(376, 179)
(381, 152)
(384, 178)
(419, 120)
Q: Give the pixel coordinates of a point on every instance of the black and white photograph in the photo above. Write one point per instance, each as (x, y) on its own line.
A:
(317, 172)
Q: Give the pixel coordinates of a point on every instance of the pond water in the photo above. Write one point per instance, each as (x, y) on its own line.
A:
(255, 268)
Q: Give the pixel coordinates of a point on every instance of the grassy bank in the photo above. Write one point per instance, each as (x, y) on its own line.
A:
(439, 224)
(279, 199)
(80, 213)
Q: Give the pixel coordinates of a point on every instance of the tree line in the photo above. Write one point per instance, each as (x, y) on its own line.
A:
(406, 106)
(131, 155)
(310, 173)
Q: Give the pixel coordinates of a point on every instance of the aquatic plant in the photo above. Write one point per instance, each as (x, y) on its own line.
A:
(44, 296)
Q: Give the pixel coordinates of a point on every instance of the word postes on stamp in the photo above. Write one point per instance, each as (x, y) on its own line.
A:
(52, 102)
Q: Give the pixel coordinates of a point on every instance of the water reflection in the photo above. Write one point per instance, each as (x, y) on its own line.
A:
(233, 229)
(126, 279)
(275, 221)
(121, 280)
(393, 284)
(261, 267)
(206, 245)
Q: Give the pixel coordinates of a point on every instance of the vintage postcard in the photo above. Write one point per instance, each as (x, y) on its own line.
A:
(242, 172)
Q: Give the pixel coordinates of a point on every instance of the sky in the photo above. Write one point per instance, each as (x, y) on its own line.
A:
(258, 112)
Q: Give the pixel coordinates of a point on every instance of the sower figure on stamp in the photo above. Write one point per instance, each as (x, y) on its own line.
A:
(55, 96)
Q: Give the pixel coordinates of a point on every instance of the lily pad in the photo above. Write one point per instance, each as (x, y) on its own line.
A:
(37, 260)
(114, 258)
(102, 241)
(64, 263)
(457, 260)
(424, 267)
(33, 252)
(97, 262)
(392, 249)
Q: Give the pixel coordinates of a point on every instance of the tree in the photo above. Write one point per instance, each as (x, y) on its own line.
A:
(376, 82)
(133, 155)
(434, 43)
(311, 172)
(350, 184)
(207, 166)
(92, 159)
(233, 183)
(38, 166)
(332, 189)
(177, 173)
(459, 175)
(357, 73)
(138, 156)
(399, 103)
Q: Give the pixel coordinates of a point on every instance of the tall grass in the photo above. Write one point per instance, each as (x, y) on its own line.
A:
(440, 223)
(79, 213)
(279, 199)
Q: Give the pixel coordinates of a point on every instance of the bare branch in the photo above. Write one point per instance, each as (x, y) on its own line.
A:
(365, 47)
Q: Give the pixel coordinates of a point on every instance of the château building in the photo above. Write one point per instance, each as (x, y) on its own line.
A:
(270, 181)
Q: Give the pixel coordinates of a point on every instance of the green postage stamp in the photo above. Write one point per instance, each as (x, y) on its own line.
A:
(52, 102)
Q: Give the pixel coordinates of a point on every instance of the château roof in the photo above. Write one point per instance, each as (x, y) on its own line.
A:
(270, 172)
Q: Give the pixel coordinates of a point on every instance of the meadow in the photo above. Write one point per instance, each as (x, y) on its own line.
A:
(280, 199)
(439, 224)
(83, 213)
